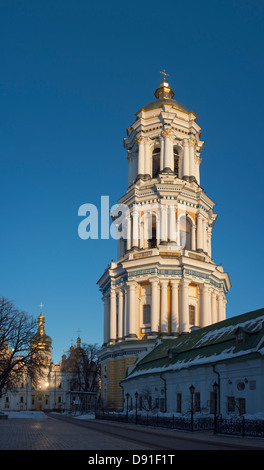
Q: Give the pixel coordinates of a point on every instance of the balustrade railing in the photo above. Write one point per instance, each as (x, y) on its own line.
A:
(236, 427)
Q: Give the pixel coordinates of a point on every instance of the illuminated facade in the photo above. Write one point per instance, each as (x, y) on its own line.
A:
(52, 391)
(164, 281)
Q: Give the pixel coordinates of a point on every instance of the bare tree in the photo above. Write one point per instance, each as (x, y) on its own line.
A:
(83, 366)
(19, 360)
(147, 400)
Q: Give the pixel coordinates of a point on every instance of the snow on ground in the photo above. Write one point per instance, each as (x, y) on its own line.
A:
(85, 416)
(77, 415)
(26, 414)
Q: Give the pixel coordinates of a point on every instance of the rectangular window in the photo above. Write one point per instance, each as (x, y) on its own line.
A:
(231, 405)
(242, 406)
(191, 315)
(252, 385)
(179, 403)
(149, 402)
(146, 314)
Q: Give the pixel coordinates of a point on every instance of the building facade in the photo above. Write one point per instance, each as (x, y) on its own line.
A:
(56, 389)
(164, 280)
(226, 359)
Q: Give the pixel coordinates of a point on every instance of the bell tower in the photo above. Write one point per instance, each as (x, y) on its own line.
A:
(164, 281)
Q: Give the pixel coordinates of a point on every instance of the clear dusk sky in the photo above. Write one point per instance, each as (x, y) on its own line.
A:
(73, 75)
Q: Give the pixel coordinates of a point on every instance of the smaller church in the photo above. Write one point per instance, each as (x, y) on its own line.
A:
(57, 389)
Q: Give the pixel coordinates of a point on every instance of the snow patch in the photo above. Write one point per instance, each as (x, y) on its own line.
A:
(26, 414)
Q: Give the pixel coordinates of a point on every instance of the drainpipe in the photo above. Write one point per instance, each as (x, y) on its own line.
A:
(165, 389)
(218, 395)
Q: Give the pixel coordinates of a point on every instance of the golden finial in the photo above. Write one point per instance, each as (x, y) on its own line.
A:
(164, 90)
(41, 305)
(164, 74)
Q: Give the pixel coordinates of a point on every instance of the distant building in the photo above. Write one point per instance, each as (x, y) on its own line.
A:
(165, 280)
(56, 390)
(226, 358)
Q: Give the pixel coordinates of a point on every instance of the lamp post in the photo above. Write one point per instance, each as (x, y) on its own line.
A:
(127, 397)
(215, 388)
(136, 396)
(192, 388)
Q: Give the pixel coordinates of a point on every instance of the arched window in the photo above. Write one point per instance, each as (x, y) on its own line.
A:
(176, 162)
(146, 314)
(152, 240)
(146, 319)
(155, 163)
(191, 315)
(185, 233)
(188, 235)
(122, 242)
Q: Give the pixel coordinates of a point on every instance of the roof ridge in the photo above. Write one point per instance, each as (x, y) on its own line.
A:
(210, 336)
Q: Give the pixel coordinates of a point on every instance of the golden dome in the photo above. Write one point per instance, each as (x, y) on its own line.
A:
(164, 95)
(40, 339)
(164, 91)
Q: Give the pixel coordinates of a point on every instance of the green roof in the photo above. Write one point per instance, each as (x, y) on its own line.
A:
(214, 343)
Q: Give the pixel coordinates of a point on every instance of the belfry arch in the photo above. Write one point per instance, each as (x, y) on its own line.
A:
(156, 162)
(177, 160)
(187, 229)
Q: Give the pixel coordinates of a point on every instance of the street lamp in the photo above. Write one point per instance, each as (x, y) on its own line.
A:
(215, 388)
(127, 397)
(136, 396)
(192, 388)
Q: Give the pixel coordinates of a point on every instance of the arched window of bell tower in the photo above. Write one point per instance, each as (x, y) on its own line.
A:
(185, 233)
(176, 161)
(152, 240)
(150, 230)
(149, 221)
(156, 162)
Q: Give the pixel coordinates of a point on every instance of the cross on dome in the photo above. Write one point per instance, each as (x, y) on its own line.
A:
(164, 74)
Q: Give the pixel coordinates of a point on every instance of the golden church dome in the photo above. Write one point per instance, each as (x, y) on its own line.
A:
(164, 95)
(41, 339)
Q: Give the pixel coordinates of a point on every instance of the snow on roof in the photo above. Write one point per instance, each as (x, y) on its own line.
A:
(211, 344)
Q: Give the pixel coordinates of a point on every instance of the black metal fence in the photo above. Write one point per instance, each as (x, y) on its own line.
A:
(236, 427)
(158, 420)
(240, 427)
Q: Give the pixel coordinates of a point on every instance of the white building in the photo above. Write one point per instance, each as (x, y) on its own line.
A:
(54, 388)
(164, 280)
(229, 354)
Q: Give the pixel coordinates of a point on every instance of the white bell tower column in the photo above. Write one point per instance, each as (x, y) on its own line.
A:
(168, 151)
(141, 157)
(147, 158)
(154, 306)
(186, 159)
(174, 307)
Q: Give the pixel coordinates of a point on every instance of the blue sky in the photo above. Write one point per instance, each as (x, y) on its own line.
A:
(73, 75)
